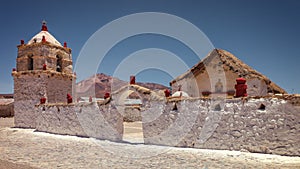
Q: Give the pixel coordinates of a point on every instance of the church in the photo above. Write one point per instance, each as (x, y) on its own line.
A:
(43, 70)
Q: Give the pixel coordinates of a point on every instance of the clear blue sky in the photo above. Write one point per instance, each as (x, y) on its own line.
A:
(264, 34)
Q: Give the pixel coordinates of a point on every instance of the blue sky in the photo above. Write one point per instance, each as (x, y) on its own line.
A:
(263, 34)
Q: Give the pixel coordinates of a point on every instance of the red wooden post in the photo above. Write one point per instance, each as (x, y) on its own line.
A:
(44, 26)
(43, 100)
(167, 93)
(106, 95)
(241, 87)
(132, 80)
(69, 98)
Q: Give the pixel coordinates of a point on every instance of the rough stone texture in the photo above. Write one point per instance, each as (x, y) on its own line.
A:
(42, 53)
(31, 86)
(132, 114)
(25, 116)
(84, 119)
(256, 87)
(239, 125)
(27, 94)
(294, 99)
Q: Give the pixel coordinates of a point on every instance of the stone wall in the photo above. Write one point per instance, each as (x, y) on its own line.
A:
(263, 125)
(132, 113)
(57, 94)
(42, 53)
(31, 86)
(82, 119)
(266, 125)
(27, 94)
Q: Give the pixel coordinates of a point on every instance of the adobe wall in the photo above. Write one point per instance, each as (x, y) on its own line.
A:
(239, 125)
(80, 119)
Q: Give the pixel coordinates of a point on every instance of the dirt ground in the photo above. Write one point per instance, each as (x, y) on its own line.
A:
(27, 149)
(9, 122)
(132, 133)
(6, 122)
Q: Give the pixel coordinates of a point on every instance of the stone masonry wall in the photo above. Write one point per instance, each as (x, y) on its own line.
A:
(31, 86)
(132, 113)
(42, 53)
(27, 94)
(267, 125)
(59, 94)
(82, 119)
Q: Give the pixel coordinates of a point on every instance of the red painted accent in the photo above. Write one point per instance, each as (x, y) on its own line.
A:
(132, 80)
(44, 67)
(22, 42)
(44, 27)
(43, 100)
(240, 80)
(43, 39)
(167, 93)
(240, 88)
(65, 44)
(69, 98)
(106, 95)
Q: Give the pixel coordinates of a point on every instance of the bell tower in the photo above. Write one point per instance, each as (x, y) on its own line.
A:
(43, 70)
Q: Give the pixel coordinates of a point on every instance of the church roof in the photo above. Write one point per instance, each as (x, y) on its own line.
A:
(235, 65)
(44, 33)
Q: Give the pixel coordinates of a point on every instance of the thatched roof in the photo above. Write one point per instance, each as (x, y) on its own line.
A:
(235, 65)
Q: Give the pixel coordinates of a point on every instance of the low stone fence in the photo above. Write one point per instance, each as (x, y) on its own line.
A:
(266, 125)
(80, 119)
(261, 125)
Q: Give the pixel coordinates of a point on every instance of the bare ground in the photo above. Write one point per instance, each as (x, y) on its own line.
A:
(25, 148)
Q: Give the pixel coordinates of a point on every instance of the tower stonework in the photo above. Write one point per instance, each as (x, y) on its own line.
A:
(44, 70)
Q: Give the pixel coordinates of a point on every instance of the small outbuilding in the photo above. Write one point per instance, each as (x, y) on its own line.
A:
(216, 74)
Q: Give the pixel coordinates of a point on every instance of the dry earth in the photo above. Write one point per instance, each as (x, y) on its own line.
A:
(25, 148)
